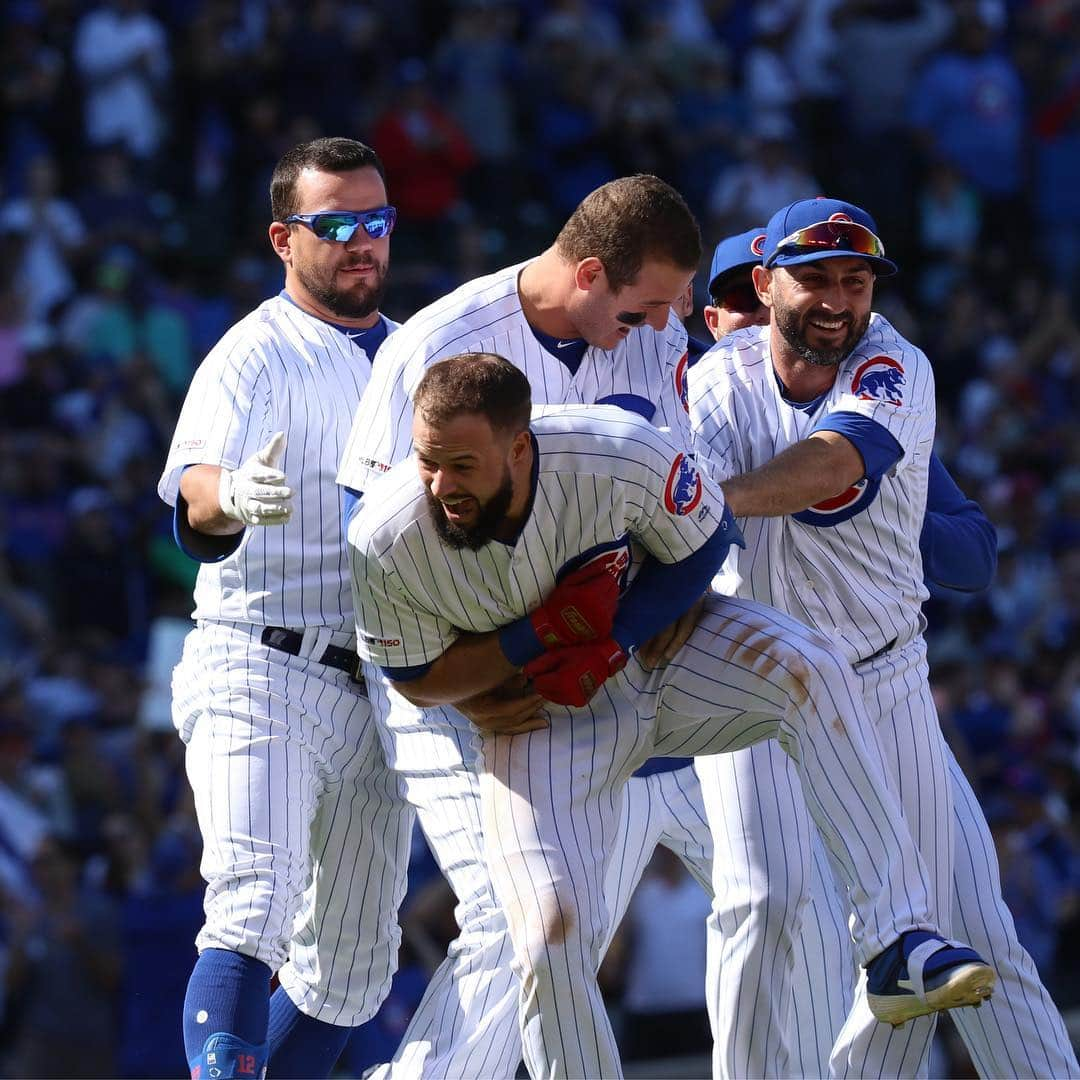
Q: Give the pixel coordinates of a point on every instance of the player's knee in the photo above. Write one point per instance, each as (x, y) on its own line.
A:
(251, 914)
(773, 907)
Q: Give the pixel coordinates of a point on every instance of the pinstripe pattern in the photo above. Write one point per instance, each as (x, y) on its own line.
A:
(551, 798)
(305, 831)
(277, 369)
(854, 580)
(859, 577)
(485, 316)
(257, 723)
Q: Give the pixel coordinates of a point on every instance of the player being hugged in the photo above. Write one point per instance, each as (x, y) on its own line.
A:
(452, 555)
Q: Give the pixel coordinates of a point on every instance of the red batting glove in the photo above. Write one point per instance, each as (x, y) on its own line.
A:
(571, 676)
(580, 608)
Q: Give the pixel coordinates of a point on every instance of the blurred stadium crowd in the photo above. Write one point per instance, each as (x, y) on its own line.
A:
(138, 140)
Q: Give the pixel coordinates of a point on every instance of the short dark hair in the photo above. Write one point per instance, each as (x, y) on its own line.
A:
(475, 383)
(626, 221)
(334, 155)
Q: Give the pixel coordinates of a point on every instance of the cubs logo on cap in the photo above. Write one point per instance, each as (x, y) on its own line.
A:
(881, 378)
(682, 492)
(813, 229)
(735, 253)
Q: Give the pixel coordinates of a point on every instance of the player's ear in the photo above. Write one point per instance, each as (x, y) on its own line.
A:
(711, 315)
(762, 280)
(588, 272)
(522, 443)
(281, 240)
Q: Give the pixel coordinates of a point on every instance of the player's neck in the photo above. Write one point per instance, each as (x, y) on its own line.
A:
(802, 380)
(542, 291)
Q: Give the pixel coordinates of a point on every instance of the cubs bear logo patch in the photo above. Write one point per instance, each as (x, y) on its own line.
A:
(682, 492)
(881, 378)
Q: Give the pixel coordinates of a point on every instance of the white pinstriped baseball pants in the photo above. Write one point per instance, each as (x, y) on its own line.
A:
(305, 832)
(551, 807)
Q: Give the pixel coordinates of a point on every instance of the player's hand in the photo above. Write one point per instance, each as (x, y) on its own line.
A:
(510, 709)
(257, 493)
(661, 648)
(572, 675)
(580, 608)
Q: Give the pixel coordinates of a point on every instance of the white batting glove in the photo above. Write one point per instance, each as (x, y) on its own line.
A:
(257, 493)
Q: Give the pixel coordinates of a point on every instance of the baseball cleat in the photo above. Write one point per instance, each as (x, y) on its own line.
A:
(921, 973)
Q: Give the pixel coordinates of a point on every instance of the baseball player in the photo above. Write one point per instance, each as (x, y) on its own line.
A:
(461, 561)
(588, 320)
(305, 834)
(821, 427)
(663, 803)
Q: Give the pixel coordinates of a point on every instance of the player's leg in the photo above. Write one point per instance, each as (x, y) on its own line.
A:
(467, 1021)
(551, 809)
(823, 972)
(761, 836)
(238, 708)
(1019, 1032)
(344, 952)
(898, 700)
(750, 672)
(661, 807)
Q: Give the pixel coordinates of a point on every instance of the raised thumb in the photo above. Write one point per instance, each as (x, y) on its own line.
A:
(271, 453)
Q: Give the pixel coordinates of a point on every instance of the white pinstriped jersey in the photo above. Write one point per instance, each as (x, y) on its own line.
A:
(277, 369)
(647, 370)
(851, 565)
(606, 481)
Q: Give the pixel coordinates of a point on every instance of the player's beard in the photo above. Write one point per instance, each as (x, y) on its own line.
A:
(359, 302)
(489, 517)
(793, 328)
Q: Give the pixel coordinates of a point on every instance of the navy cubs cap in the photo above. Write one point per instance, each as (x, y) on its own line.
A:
(736, 253)
(813, 229)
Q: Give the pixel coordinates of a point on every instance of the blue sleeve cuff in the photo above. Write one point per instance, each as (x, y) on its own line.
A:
(958, 542)
(350, 503)
(202, 547)
(879, 449)
(663, 591)
(405, 674)
(519, 642)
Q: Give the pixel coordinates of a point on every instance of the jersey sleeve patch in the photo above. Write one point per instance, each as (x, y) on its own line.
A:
(881, 378)
(682, 492)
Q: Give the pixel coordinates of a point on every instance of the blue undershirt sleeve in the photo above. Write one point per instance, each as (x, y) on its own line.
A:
(405, 674)
(958, 542)
(663, 591)
(879, 449)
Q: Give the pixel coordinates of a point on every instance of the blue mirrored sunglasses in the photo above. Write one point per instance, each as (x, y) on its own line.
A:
(341, 225)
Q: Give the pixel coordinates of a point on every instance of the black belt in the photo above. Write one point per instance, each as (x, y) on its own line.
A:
(875, 655)
(291, 641)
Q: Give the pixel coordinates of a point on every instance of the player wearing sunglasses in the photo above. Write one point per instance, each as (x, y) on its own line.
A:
(305, 839)
(819, 420)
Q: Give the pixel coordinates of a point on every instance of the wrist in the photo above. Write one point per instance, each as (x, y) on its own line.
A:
(225, 496)
(520, 641)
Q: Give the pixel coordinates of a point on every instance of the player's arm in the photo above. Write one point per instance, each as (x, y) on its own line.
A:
(843, 450)
(958, 542)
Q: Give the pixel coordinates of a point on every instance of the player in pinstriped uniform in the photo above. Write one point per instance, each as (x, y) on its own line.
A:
(588, 320)
(663, 803)
(305, 834)
(447, 565)
(845, 562)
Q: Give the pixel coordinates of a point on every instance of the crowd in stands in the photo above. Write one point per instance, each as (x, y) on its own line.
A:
(138, 140)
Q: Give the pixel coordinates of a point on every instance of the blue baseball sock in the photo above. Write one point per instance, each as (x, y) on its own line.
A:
(228, 995)
(300, 1045)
